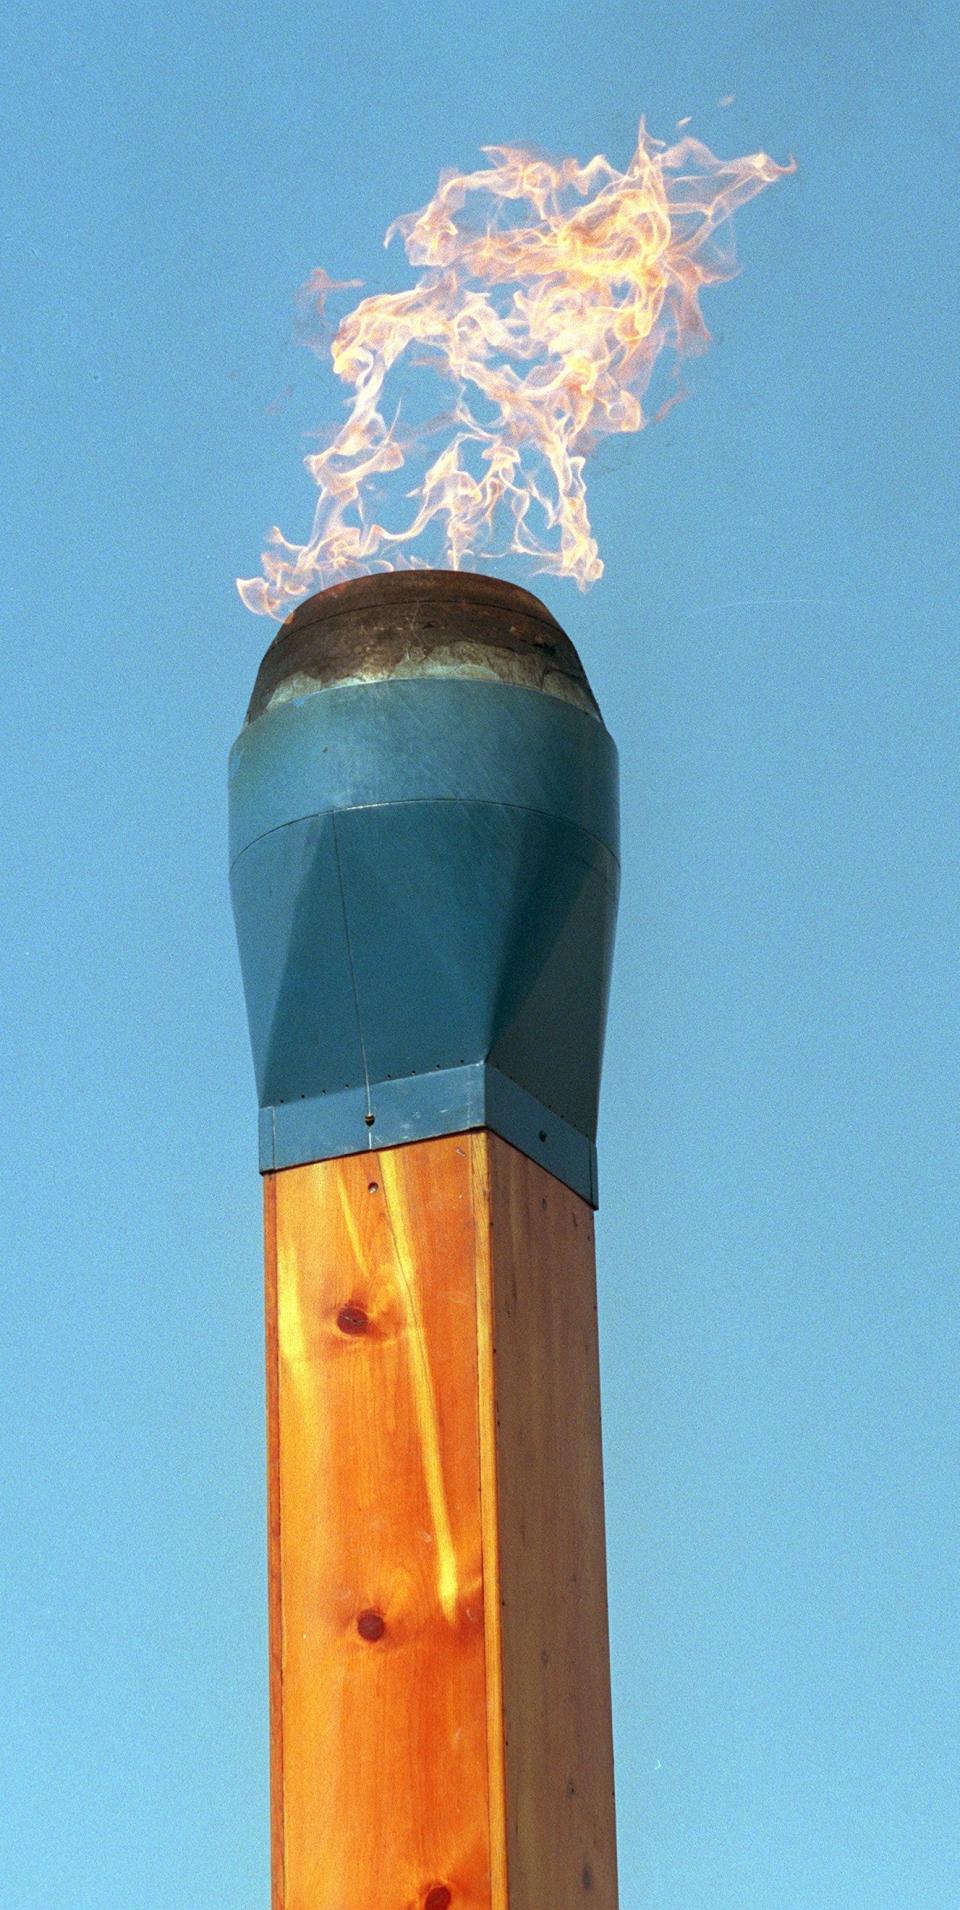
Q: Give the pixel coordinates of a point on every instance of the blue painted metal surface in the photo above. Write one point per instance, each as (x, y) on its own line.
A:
(424, 876)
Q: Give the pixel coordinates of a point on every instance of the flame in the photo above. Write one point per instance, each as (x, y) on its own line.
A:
(548, 319)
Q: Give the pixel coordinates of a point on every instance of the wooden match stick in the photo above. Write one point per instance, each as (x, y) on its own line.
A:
(440, 1689)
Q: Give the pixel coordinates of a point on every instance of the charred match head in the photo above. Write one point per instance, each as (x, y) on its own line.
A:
(411, 623)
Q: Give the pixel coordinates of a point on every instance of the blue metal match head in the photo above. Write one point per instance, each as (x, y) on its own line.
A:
(423, 818)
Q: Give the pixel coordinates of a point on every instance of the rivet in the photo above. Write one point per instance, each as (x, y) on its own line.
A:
(543, 1134)
(352, 1319)
(439, 1898)
(373, 1187)
(369, 1119)
(371, 1626)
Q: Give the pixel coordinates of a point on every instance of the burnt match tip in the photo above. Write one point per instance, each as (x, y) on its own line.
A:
(407, 623)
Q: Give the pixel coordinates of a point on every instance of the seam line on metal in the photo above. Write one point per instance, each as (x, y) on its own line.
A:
(353, 972)
(496, 1068)
(407, 802)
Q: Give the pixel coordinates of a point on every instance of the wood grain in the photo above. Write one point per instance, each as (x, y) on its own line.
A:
(558, 1749)
(439, 1682)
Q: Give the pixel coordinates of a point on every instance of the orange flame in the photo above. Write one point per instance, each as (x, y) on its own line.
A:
(548, 320)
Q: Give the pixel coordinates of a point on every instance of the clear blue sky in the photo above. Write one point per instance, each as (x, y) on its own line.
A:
(775, 647)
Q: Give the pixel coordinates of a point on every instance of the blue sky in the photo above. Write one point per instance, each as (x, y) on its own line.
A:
(774, 646)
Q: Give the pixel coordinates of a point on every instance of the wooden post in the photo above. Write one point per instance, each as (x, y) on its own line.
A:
(440, 1707)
